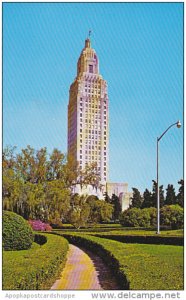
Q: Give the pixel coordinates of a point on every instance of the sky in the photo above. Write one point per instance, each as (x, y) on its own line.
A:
(140, 51)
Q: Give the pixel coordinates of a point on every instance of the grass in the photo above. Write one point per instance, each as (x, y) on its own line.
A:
(144, 232)
(36, 268)
(117, 229)
(146, 267)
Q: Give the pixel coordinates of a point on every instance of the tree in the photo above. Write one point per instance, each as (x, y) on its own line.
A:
(147, 199)
(116, 207)
(154, 195)
(172, 215)
(79, 211)
(136, 200)
(107, 198)
(57, 202)
(170, 195)
(100, 210)
(36, 185)
(180, 195)
(161, 195)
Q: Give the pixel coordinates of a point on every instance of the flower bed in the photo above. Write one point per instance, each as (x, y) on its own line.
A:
(38, 225)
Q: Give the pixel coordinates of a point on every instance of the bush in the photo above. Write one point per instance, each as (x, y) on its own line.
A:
(145, 239)
(137, 266)
(17, 233)
(40, 239)
(136, 217)
(36, 268)
(152, 211)
(172, 215)
(38, 225)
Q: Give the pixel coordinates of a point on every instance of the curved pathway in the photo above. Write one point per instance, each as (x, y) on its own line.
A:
(84, 271)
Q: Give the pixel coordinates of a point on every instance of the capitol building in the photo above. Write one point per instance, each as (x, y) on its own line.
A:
(88, 125)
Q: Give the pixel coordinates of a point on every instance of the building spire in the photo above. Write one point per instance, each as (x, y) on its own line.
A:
(87, 41)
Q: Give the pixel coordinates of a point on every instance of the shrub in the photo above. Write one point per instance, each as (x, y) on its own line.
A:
(135, 217)
(36, 268)
(172, 215)
(40, 239)
(38, 225)
(152, 211)
(17, 233)
(137, 266)
(145, 239)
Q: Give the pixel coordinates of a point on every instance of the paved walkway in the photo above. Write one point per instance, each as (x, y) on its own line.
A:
(83, 272)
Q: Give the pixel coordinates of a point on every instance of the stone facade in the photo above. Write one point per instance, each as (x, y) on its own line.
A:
(88, 132)
(120, 190)
(88, 124)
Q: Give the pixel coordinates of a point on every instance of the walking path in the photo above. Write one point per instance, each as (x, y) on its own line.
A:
(84, 272)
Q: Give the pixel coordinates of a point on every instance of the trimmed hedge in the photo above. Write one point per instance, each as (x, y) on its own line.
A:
(17, 233)
(101, 251)
(145, 239)
(36, 268)
(137, 266)
(40, 239)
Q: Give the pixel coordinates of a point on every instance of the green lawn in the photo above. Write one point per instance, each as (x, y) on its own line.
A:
(35, 268)
(117, 229)
(144, 232)
(146, 267)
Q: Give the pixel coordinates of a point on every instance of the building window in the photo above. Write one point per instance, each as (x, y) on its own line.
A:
(90, 68)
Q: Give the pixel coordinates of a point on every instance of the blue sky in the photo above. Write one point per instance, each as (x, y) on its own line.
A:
(140, 50)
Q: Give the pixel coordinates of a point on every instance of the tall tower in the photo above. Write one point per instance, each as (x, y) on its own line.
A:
(88, 132)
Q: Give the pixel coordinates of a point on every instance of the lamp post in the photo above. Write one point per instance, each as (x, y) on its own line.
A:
(178, 124)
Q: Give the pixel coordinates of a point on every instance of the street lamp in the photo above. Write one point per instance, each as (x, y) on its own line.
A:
(178, 124)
